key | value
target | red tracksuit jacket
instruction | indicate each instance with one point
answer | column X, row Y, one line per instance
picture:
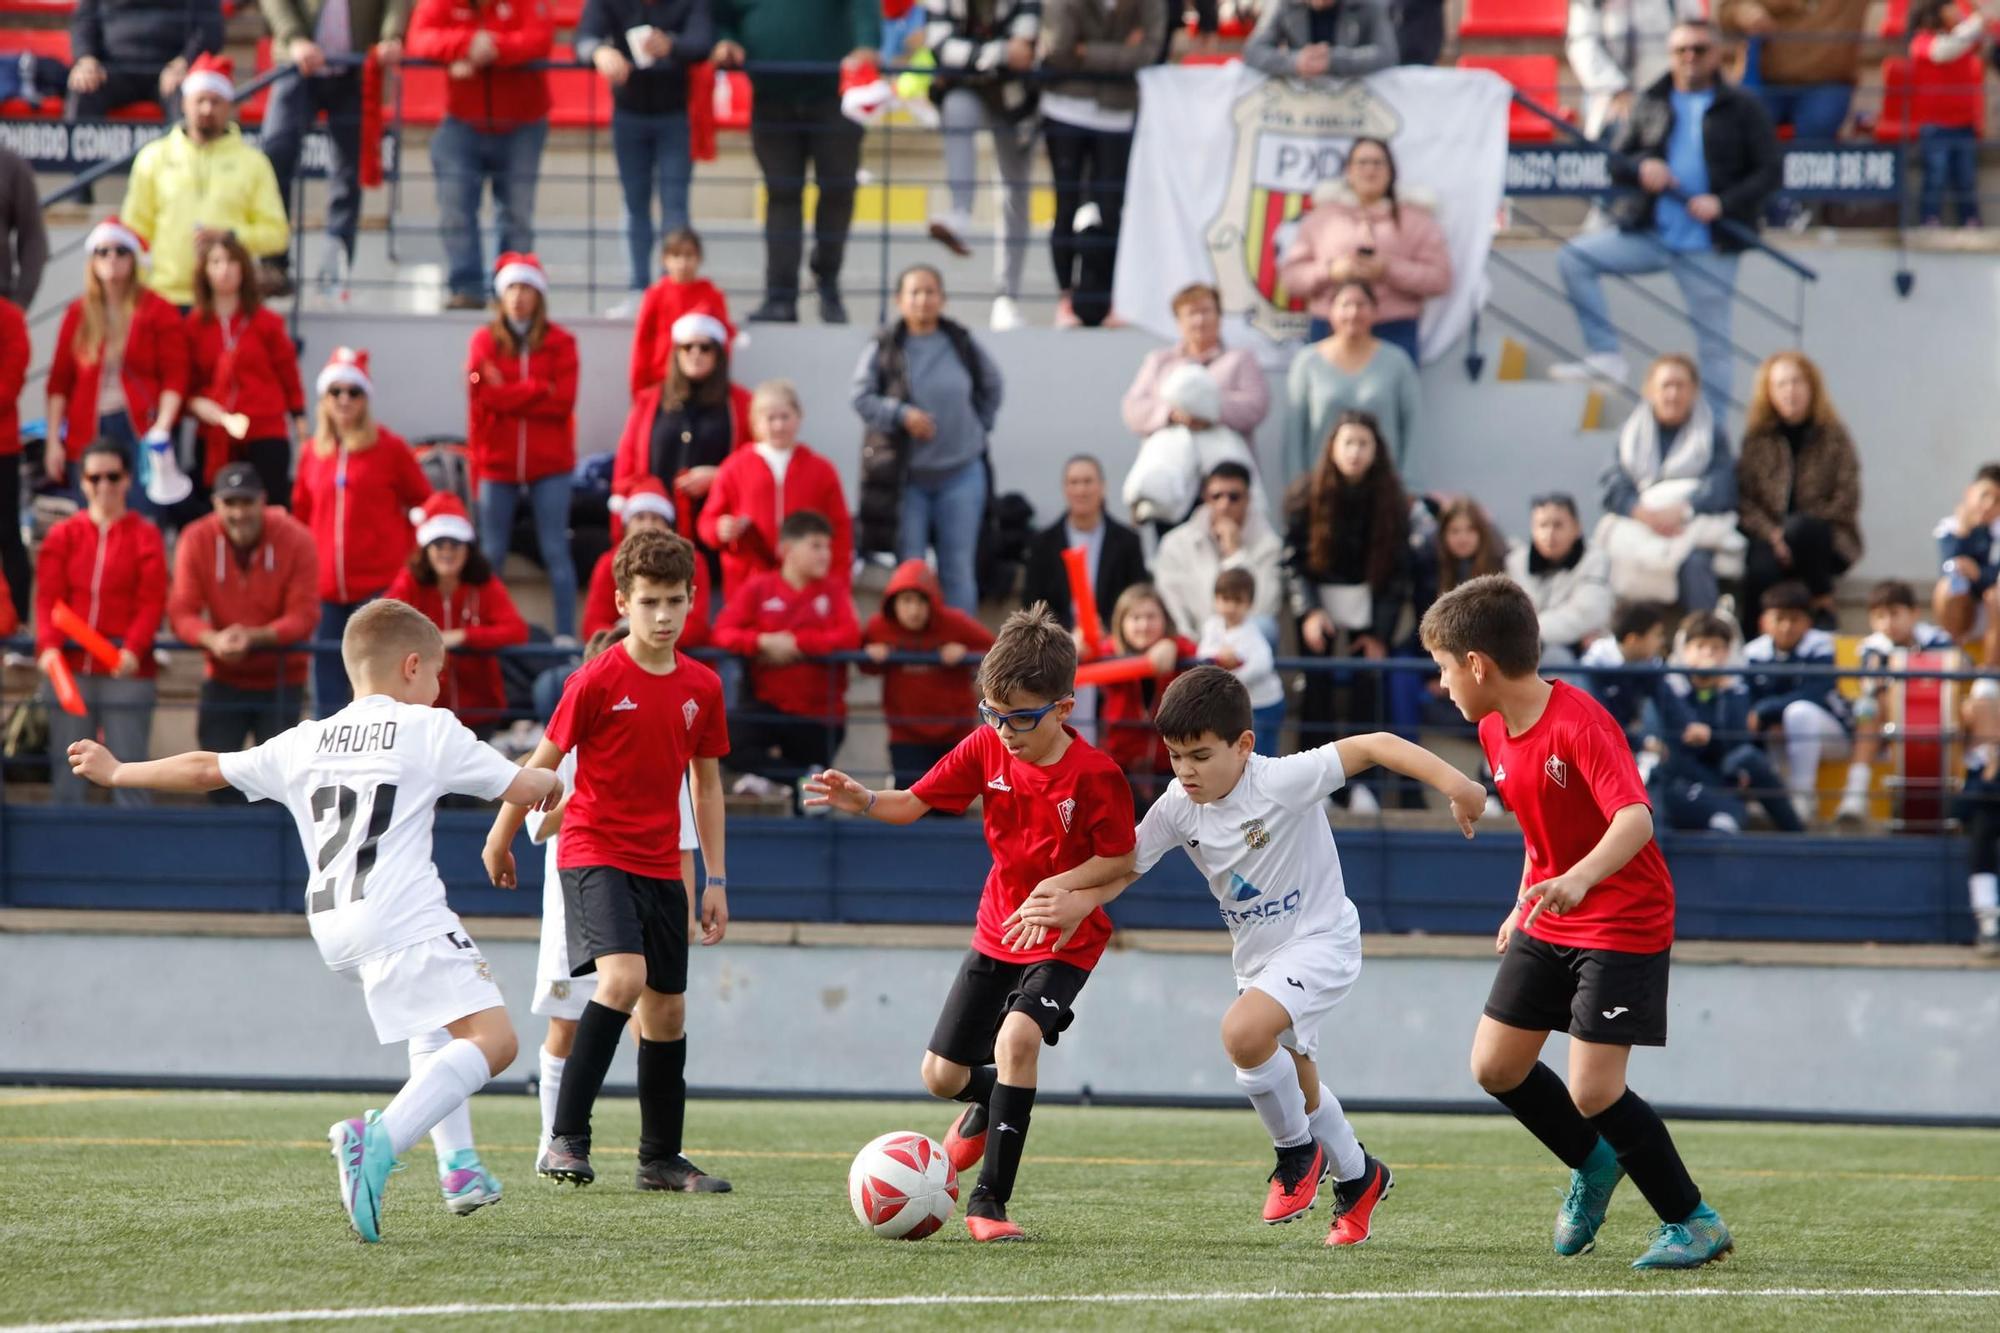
column 278, row 586
column 245, row 365
column 472, row 686
column 925, row 705
column 499, row 97
column 1125, row 718
column 521, row 421
column 747, row 488
column 358, row 503
column 114, row 577
column 820, row 616
column 653, row 339
column 156, row 362
column 600, row 604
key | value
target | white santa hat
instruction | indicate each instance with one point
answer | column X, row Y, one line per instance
column 442, row 516
column 517, row 269
column 210, row 74
column 345, row 366
column 113, row 232
column 647, row 496
column 696, row 327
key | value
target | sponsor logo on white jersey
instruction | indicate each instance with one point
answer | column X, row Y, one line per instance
column 1066, row 809
column 625, row 705
column 690, row 710
column 1557, row 770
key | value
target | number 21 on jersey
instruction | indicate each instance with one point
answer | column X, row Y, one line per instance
column 334, row 808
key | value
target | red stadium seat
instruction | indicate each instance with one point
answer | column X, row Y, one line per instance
column 1514, row 18
column 55, row 9
column 1538, row 77
column 578, row 97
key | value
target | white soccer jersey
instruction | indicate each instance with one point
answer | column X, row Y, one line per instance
column 1267, row 852
column 361, row 786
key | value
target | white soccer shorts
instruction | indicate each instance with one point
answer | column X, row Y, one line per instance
column 557, row 993
column 1308, row 977
column 426, row 986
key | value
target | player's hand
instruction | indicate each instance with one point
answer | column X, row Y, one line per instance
column 714, row 914
column 91, row 761
column 554, row 798
column 835, row 790
column 499, row 865
column 1554, row 896
column 1468, row 803
column 1506, row 932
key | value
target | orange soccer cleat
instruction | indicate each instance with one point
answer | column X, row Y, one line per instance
column 965, row 1141
column 1295, row 1184
column 1354, row 1203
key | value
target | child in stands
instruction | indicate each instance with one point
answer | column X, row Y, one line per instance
column 1232, row 642
column 1971, row 556
column 1712, row 760
column 756, row 488
column 1894, row 628
column 646, row 507
column 447, row 578
column 680, row 291
column 1948, row 44
column 1804, row 711
column 1638, row 637
column 1140, row 627
column 929, row 708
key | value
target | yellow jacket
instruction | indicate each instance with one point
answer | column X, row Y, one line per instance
column 178, row 185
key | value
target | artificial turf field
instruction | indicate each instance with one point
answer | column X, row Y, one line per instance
column 126, row 1209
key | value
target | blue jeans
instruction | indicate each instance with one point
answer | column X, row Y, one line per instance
column 651, row 151
column 1265, row 724
column 548, row 497
column 464, row 160
column 1707, row 281
column 331, row 692
column 947, row 513
column 1951, row 167
column 1815, row 111
column 295, row 104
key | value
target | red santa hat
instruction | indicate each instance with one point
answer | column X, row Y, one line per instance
column 347, row 365
column 697, row 327
column 647, row 496
column 514, row 268
column 113, row 232
column 442, row 516
column 211, row 74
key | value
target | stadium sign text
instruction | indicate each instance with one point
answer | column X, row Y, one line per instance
column 1843, row 171
column 59, row 148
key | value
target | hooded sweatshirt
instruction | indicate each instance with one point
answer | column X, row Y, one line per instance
column 274, row 585
column 925, row 704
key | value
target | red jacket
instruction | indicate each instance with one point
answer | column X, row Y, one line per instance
column 635, row 455
column 1125, row 718
column 156, row 362
column 521, row 422
column 13, row 374
column 499, row 97
column 820, row 616
column 925, row 705
column 653, row 340
column 747, row 488
column 600, row 604
column 1947, row 96
column 472, row 686
column 358, row 503
column 249, row 367
column 276, row 587
column 114, row 577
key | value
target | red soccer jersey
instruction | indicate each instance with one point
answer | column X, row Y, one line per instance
column 1039, row 822
column 634, row 733
column 1564, row 778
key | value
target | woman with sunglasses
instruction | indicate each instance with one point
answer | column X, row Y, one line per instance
column 108, row 565
column 521, row 427
column 120, row 369
column 448, row 579
column 357, row 483
column 247, row 393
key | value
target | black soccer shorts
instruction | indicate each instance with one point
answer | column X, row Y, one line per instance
column 608, row 910
column 987, row 990
column 1600, row 995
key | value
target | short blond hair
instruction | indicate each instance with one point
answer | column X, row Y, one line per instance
column 383, row 633
column 773, row 391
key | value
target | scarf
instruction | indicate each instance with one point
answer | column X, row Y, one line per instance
column 1539, row 564
column 1685, row 458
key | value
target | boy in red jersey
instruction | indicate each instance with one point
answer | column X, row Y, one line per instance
column 637, row 715
column 1056, row 809
column 1589, row 953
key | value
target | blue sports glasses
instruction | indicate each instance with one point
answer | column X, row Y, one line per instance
column 1027, row 719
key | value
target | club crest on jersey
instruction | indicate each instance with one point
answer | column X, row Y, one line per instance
column 1066, row 809
column 1557, row 770
column 821, row 606
column 689, row 711
column 1255, row 836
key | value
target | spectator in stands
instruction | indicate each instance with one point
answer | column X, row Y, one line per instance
column 1246, row 394
column 1806, row 713
column 1359, row 231
column 982, row 49
column 929, row 396
column 929, row 708
column 1164, row 481
column 1804, row 59
column 680, row 291
column 1615, row 48
column 645, row 49
column 1322, row 39
column 779, row 618
column 1798, row 485
column 495, row 124
column 1949, row 47
column 1978, row 811
column 131, row 51
column 245, row 383
column 1673, row 476
column 645, row 505
column 1227, row 531
column 1419, row 32
column 108, row 565
column 1114, row 558
column 757, row 488
column 1350, row 370
column 1568, row 582
column 795, row 118
column 245, row 587
column 14, row 353
column 682, row 431
column 1966, row 540
column 520, row 373
column 448, row 578
column 1233, row 642
column 1462, row 545
column 310, row 34
column 120, row 369
column 1348, row 540
column 24, row 241
column 1087, row 126
column 1712, row 753
column 357, row 483
column 1636, row 636
column 202, row 180
column 1140, row 627
column 1704, row 160
column 1896, row 635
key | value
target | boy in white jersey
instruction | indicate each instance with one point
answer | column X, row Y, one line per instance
column 361, row 786
column 1257, row 829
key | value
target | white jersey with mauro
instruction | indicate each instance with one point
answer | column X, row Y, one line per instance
column 362, row 786
column 1267, row 852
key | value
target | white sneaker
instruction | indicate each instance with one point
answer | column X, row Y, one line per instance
column 1006, row 315
column 625, row 309
column 755, row 784
column 1853, row 810
column 1361, row 801
column 949, row 230
column 1598, row 366
column 331, row 279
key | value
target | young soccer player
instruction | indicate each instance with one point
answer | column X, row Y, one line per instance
column 1586, row 948
column 1053, row 804
column 1895, row 626
column 637, row 715
column 1256, row 827
column 361, row 785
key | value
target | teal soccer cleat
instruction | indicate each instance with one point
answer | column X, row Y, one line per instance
column 466, row 1184
column 364, row 1158
column 1589, row 1196
column 1698, row 1239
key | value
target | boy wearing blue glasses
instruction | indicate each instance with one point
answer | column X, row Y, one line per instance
column 1058, row 814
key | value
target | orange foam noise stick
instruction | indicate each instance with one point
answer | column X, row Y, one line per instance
column 64, row 684
column 1116, row 671
column 88, row 639
column 1083, row 597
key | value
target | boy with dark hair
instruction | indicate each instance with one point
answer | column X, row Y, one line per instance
column 637, row 715
column 1894, row 628
column 1712, row 759
column 1805, row 711
column 1971, row 556
column 1231, row 640
column 1637, row 637
column 1058, row 812
column 929, row 708
column 797, row 710
column 1591, row 949
column 1257, row 829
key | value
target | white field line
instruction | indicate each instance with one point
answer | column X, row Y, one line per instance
column 465, row 1309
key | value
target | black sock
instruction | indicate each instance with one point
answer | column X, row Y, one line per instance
column 597, row 1035
column 1006, row 1134
column 662, row 1098
column 978, row 1085
column 1541, row 1103
column 1637, row 1134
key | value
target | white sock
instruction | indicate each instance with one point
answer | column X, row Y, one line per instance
column 1329, row 1126
column 1985, row 899
column 1859, row 775
column 447, row 1081
column 454, row 1132
column 1273, row 1088
column 551, row 1085
column 1723, row 822
column 1802, row 752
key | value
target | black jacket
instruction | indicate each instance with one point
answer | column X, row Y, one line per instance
column 661, row 89
column 122, row 33
column 1122, row 564
column 1744, row 164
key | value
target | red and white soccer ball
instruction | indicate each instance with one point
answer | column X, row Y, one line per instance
column 902, row 1186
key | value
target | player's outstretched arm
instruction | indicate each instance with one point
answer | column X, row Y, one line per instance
column 835, row 790
column 1381, row 748
column 1631, row 828
column 197, row 770
column 499, row 853
column 1045, row 913
column 534, row 789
